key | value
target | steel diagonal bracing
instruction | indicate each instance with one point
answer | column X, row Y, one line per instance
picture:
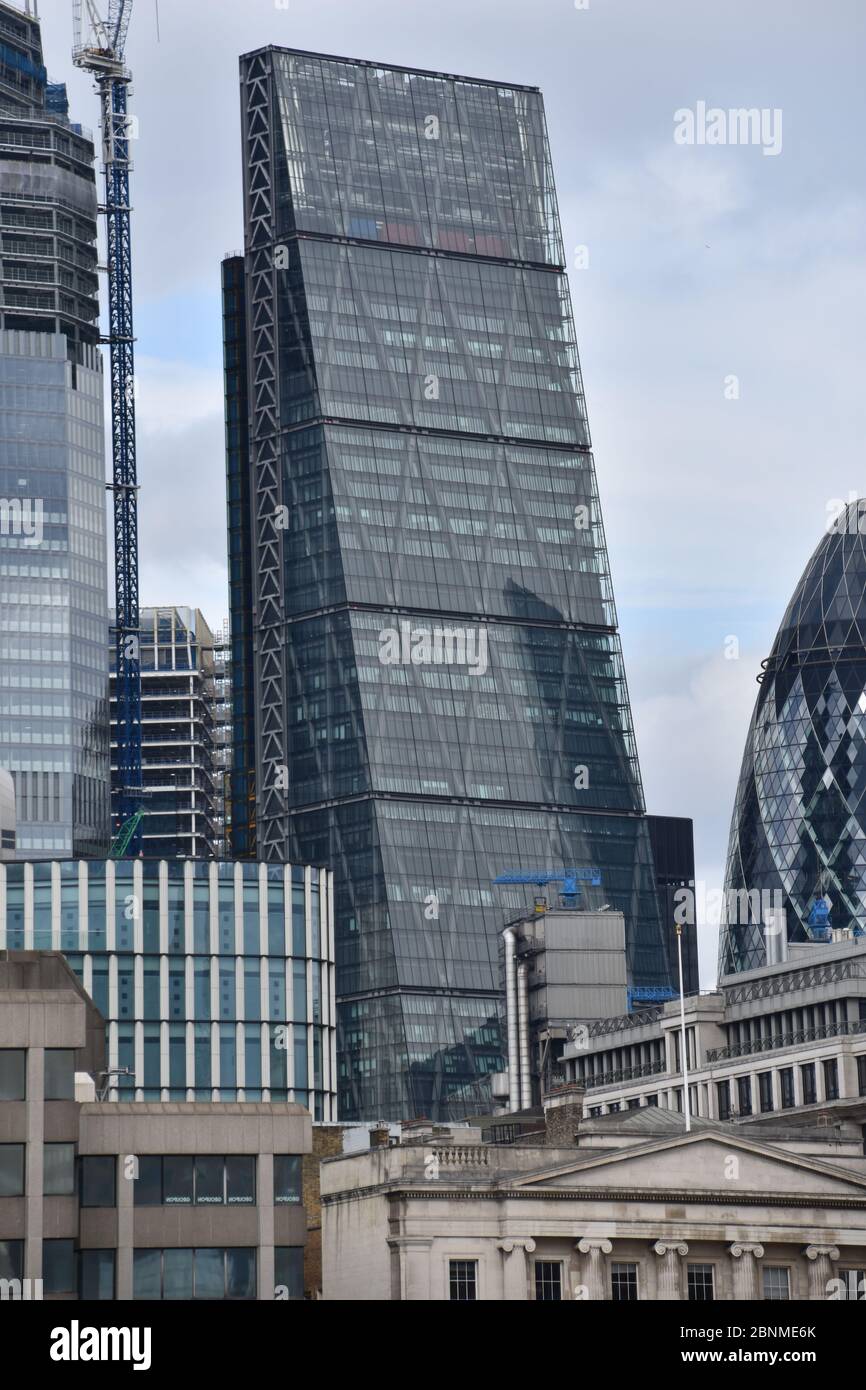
column 271, row 733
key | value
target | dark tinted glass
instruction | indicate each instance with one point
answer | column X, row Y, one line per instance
column 147, row 1274
column 241, row 1179
column 209, row 1178
column 287, row 1178
column 59, row 1074
column 148, row 1184
column 240, row 1273
column 289, row 1271
column 96, row 1274
column 58, row 1172
column 177, row 1179
column 11, row 1170
column 177, row 1274
column 210, row 1274
column 58, row 1266
column 12, row 1077
column 97, row 1181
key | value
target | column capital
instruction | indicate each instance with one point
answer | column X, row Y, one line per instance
column 816, row 1252
column 666, row 1247
column 590, row 1243
column 738, row 1249
column 506, row 1246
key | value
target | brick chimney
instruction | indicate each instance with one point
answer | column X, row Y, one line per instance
column 563, row 1112
column 380, row 1135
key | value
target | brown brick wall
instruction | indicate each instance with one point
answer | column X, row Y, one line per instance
column 327, row 1141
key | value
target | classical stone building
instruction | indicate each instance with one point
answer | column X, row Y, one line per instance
column 632, row 1208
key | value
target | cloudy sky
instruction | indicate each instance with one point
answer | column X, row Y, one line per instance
column 705, row 263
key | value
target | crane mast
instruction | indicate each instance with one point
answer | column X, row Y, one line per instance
column 99, row 46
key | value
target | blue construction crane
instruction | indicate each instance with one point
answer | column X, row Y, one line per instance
column 100, row 51
column 569, row 878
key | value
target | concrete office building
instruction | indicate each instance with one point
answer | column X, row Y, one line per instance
column 216, row 980
column 148, row 1201
column 53, row 576
column 624, row 1208
column 786, row 1040
column 409, row 454
column 561, row 969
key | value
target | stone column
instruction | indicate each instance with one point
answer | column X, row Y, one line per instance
column 746, row 1271
column 669, row 1269
column 593, row 1265
column 514, row 1281
column 821, row 1259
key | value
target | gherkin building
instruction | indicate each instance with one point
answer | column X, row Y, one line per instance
column 798, row 834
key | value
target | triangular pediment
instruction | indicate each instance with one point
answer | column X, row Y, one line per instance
column 702, row 1162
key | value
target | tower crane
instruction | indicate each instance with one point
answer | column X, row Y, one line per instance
column 99, row 46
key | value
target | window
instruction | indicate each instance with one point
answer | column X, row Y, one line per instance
column 776, row 1282
column 11, row 1170
column 463, row 1281
column 831, row 1079
column 723, row 1096
column 652, row 1100
column 177, row 1180
column 58, row 1171
column 786, row 1084
column 700, row 1282
column 13, row 1065
column 59, row 1073
column 765, row 1090
column 289, row 1271
column 96, row 1274
column 96, row 1179
column 861, row 1074
column 853, row 1284
column 11, row 1259
column 744, row 1094
column 807, row 1073
column 202, row 1274
column 287, row 1178
column 148, row 1182
column 623, row 1283
column 207, row 1180
column 548, row 1281
column 58, row 1266
column 241, row 1180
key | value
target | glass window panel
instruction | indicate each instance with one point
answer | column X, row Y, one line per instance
column 96, row 1275
column 287, row 1178
column 209, row 1179
column 148, row 1184
column 58, row 1266
column 59, row 1074
column 147, row 1274
column 241, row 1179
column 58, row 1173
column 289, row 1270
column 177, row 1179
column 210, row 1274
column 12, row 1073
column 98, row 1181
column 177, row 1274
column 240, row 1273
column 11, row 1170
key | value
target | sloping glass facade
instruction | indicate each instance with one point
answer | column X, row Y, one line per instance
column 798, row 832
column 440, row 693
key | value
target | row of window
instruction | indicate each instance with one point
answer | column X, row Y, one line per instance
column 205, row 1273
column 624, row 1282
column 736, row 1096
column 59, row 1076
column 160, row 1180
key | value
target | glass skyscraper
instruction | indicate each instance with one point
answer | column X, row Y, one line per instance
column 438, row 687
column 53, row 600
column 798, row 832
